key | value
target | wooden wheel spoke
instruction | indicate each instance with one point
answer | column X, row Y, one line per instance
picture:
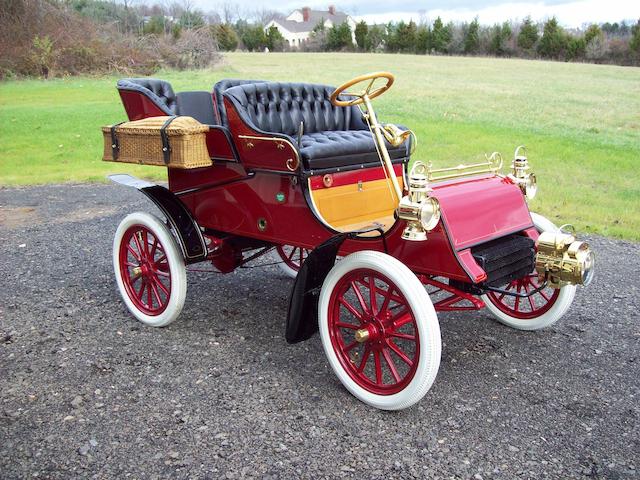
column 401, row 319
column 358, row 293
column 378, row 366
column 347, row 325
column 133, row 252
column 365, row 358
column 404, row 336
column 139, row 246
column 372, row 295
column 351, row 308
column 398, row 351
column 390, row 364
column 350, row 347
column 156, row 293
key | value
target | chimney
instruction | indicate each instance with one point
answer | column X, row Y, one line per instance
column 332, row 9
column 306, row 14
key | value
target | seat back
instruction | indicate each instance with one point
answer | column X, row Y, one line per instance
column 159, row 92
column 198, row 105
column 219, row 88
column 280, row 107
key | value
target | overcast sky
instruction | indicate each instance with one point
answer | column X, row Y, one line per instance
column 570, row 13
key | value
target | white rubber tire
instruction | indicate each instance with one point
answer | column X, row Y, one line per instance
column 426, row 320
column 551, row 316
column 287, row 270
column 176, row 265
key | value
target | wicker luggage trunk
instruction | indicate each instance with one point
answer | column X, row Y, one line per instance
column 174, row 142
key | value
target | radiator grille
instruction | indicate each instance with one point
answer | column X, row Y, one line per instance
column 505, row 259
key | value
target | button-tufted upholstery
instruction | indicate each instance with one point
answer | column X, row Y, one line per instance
column 219, row 88
column 333, row 136
column 158, row 91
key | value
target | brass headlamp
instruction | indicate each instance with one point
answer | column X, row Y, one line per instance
column 562, row 260
column 421, row 211
column 521, row 175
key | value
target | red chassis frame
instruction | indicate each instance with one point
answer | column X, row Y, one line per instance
column 256, row 189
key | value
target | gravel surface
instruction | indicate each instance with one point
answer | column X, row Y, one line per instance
column 86, row 391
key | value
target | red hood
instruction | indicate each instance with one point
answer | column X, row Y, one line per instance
column 478, row 209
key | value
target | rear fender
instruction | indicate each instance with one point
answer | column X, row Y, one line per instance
column 187, row 230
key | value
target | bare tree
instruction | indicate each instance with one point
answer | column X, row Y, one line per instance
column 230, row 12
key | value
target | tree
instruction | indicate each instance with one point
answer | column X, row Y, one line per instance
column 191, row 19
column 500, row 34
column 576, row 48
column 595, row 46
column 376, row 38
column 423, row 39
column 634, row 44
column 361, row 33
column 402, row 37
column 339, row 37
column 226, row 37
column 254, row 38
column 155, row 26
column 275, row 40
column 528, row 36
column 554, row 41
column 592, row 32
column 440, row 36
column 472, row 38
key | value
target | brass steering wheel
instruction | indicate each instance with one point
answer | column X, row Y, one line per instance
column 359, row 97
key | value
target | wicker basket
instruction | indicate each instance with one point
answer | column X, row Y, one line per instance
column 174, row 142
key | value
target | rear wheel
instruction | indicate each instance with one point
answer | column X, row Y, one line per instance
column 292, row 259
column 540, row 309
column 379, row 330
column 149, row 269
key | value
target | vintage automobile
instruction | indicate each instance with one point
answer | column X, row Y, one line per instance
column 309, row 171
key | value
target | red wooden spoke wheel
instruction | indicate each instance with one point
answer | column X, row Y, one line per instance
column 292, row 258
column 374, row 332
column 145, row 270
column 379, row 330
column 529, row 307
column 149, row 269
column 540, row 309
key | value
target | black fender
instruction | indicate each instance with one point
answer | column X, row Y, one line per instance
column 187, row 230
column 302, row 318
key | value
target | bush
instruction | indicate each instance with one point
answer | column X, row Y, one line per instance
column 576, row 48
column 226, row 37
column 254, row 38
column 275, row 40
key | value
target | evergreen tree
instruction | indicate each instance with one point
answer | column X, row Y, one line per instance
column 528, row 36
column 423, row 39
column 500, row 34
column 634, row 44
column 226, row 37
column 554, row 41
column 576, row 48
column 254, row 38
column 339, row 37
column 275, row 40
column 440, row 36
column 361, row 33
column 405, row 34
column 472, row 38
column 592, row 32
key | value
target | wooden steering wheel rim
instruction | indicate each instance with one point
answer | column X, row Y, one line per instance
column 359, row 99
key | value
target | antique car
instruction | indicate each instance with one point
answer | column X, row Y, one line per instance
column 309, row 172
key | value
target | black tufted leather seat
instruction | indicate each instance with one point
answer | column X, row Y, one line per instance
column 333, row 136
column 219, row 88
column 158, row 91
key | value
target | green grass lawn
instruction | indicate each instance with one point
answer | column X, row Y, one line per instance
column 580, row 123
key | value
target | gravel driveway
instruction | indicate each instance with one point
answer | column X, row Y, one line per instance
column 86, row 391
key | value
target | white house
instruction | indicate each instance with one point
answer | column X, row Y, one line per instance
column 297, row 27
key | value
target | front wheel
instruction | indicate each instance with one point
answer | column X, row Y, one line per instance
column 379, row 330
column 149, row 269
column 292, row 259
column 539, row 310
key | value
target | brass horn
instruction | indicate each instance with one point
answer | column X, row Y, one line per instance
column 395, row 135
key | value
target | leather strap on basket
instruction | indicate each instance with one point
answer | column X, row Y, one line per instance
column 115, row 144
column 166, row 147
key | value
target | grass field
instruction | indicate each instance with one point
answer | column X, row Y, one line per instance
column 581, row 123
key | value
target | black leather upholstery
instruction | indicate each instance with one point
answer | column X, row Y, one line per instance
column 198, row 105
column 219, row 88
column 333, row 136
column 158, row 91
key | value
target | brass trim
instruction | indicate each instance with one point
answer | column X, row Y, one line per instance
column 492, row 165
column 292, row 164
column 327, row 180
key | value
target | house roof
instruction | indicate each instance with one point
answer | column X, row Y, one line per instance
column 315, row 17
